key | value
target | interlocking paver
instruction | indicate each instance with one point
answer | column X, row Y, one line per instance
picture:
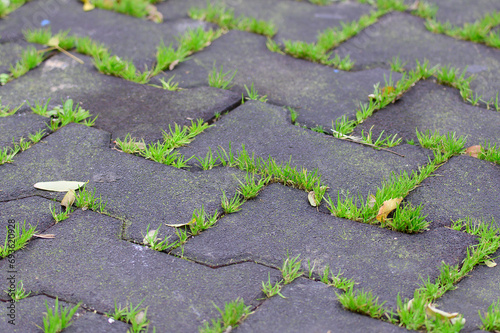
column 459, row 12
column 281, row 220
column 309, row 307
column 29, row 314
column 135, row 39
column 430, row 106
column 464, row 187
column 87, row 262
column 266, row 131
column 20, row 125
column 122, row 107
column 319, row 93
column 293, row 20
column 404, row 35
column 141, row 191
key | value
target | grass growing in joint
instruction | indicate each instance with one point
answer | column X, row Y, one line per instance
column 491, row 319
column 219, row 79
column 232, row 205
column 20, row 239
column 233, row 314
column 225, row 18
column 362, row 302
column 59, row 318
column 291, row 269
column 85, row 199
column 135, row 316
column 18, row 293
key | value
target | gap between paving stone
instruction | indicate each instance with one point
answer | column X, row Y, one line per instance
column 312, row 307
column 463, row 187
column 136, row 39
column 293, row 20
column 430, row 106
column 10, row 53
column 19, row 125
column 476, row 292
column 87, row 262
column 140, row 191
column 266, row 131
column 404, row 35
column 122, row 107
column 320, row 94
column 30, row 312
column 280, row 219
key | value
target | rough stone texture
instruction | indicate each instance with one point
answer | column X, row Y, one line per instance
column 136, row 39
column 475, row 293
column 10, row 53
column 29, row 314
column 464, row 187
column 142, row 192
column 122, row 107
column 309, row 307
column 34, row 211
column 404, row 35
column 459, row 12
column 87, row 262
column 20, row 125
column 267, row 131
column 319, row 93
column 430, row 106
column 282, row 220
column 293, row 20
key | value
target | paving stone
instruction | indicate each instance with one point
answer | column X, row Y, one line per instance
column 34, row 211
column 459, row 12
column 280, row 219
column 20, row 125
column 320, row 94
column 87, row 262
column 404, row 35
column 136, row 39
column 293, row 20
column 266, row 130
column 10, row 53
column 430, row 106
column 29, row 314
column 312, row 307
column 464, row 187
column 476, row 292
column 121, row 106
column 141, row 191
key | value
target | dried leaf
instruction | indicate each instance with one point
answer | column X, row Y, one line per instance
column 180, row 224
column 149, row 237
column 46, row 236
column 59, row 186
column 173, row 64
column 432, row 311
column 68, row 199
column 139, row 318
column 387, row 90
column 312, row 199
column 153, row 14
column 473, row 151
column 87, row 5
column 54, row 42
column 141, row 145
column 387, row 207
column 490, row 263
column 371, row 201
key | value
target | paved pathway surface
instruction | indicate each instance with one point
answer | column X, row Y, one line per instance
column 99, row 258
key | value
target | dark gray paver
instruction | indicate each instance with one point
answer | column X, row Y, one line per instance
column 121, row 106
column 29, row 314
column 141, row 191
column 459, row 12
column 280, row 219
column 293, row 20
column 320, row 94
column 87, row 262
column 430, row 106
column 312, row 307
column 34, row 210
column 10, row 53
column 474, row 293
column 135, row 39
column 463, row 187
column 266, row 130
column 19, row 125
column 405, row 35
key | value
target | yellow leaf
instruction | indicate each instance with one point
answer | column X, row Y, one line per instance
column 59, row 186
column 173, row 64
column 46, row 236
column 54, row 41
column 68, row 199
column 312, row 199
column 87, row 5
column 473, row 151
column 387, row 207
column 490, row 263
column 434, row 312
column 180, row 224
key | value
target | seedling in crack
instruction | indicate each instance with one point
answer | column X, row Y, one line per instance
column 18, row 293
column 271, row 289
column 61, row 216
column 491, row 319
column 252, row 94
column 88, row 200
column 233, row 314
column 135, row 316
column 59, row 318
column 7, row 154
column 231, row 205
column 291, row 269
column 151, row 239
column 219, row 79
column 250, row 188
column 362, row 302
column 169, row 85
column 202, row 221
column 20, row 239
column 209, row 162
